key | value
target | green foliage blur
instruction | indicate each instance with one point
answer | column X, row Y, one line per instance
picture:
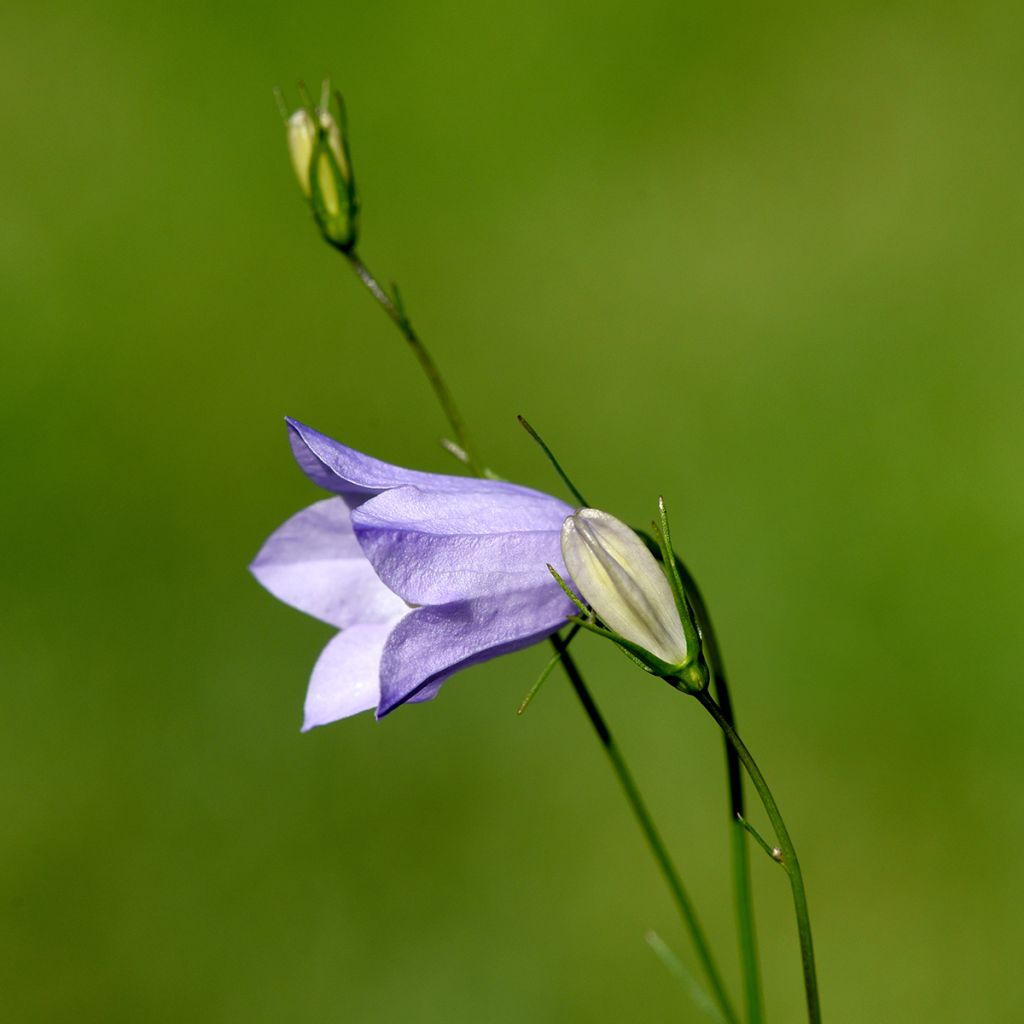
column 764, row 259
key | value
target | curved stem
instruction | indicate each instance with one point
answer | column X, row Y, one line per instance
column 643, row 817
column 740, row 849
column 742, row 883
column 397, row 315
column 427, row 364
column 788, row 853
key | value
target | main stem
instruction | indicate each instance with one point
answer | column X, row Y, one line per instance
column 737, row 834
column 741, row 865
column 788, row 851
column 427, row 364
column 643, row 817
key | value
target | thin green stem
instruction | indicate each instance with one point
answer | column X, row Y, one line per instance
column 773, row 851
column 654, row 840
column 740, row 850
column 745, row 923
column 396, row 312
column 548, row 669
column 678, row 970
column 788, row 857
column 427, row 364
column 573, row 489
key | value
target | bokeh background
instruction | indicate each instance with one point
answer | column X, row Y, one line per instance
column 766, row 260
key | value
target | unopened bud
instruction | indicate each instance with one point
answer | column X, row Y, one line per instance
column 318, row 156
column 620, row 579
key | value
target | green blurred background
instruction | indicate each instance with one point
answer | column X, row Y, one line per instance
column 766, row 260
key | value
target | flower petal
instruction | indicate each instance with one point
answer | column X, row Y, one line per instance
column 346, row 678
column 343, row 470
column 434, row 548
column 314, row 563
column 430, row 644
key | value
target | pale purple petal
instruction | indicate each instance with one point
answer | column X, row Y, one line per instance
column 343, row 470
column 434, row 548
column 473, row 552
column 314, row 563
column 346, row 679
column 432, row 643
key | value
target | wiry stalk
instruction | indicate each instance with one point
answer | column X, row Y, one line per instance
column 398, row 316
column 787, row 852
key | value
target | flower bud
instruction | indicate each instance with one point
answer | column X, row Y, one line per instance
column 301, row 139
column 318, row 157
column 620, row 579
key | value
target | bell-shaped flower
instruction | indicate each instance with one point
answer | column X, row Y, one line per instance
column 424, row 574
column 621, row 580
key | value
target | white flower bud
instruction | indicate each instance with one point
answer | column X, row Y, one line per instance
column 620, row 579
column 302, row 135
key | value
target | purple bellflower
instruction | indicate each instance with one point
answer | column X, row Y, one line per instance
column 423, row 574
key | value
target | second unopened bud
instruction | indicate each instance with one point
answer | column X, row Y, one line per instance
column 318, row 156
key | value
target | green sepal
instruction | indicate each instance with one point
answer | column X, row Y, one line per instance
column 548, row 669
column 679, row 676
column 568, row 591
column 351, row 193
column 668, row 560
column 640, row 655
column 340, row 229
column 337, row 229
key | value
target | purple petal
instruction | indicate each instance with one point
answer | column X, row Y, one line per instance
column 431, row 644
column 314, row 563
column 346, row 677
column 434, row 548
column 343, row 470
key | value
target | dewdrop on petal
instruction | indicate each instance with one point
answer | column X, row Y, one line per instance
column 620, row 579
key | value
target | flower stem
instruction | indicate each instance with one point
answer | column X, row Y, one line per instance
column 740, row 850
column 427, row 364
column 654, row 840
column 742, row 882
column 397, row 314
column 788, row 857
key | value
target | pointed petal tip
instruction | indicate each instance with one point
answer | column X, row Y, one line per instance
column 311, row 723
column 388, row 705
